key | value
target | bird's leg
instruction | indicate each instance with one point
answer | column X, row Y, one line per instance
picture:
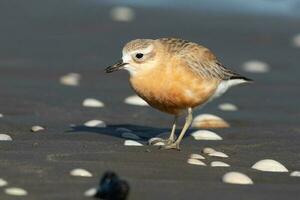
column 171, row 138
column 187, row 124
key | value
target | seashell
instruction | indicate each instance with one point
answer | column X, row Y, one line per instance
column 5, row 137
column 228, row 107
column 3, row 182
column 90, row 102
column 206, row 135
column 218, row 154
column 135, row 100
column 296, row 40
column 269, row 165
column 80, row 172
column 132, row 143
column 15, row 191
column 37, row 128
column 208, row 150
column 90, row 192
column 193, row 161
column 295, row 173
column 219, row 164
column 129, row 135
column 196, row 156
column 122, row 14
column 95, row 123
column 237, row 178
column 159, row 144
column 209, row 121
column 256, row 66
column 71, row 79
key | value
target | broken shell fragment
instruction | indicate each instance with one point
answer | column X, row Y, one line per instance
column 209, row 121
column 237, row 178
column 219, row 164
column 15, row 191
column 269, row 165
column 295, row 173
column 228, row 107
column 80, row 172
column 256, row 66
column 206, row 135
column 208, row 150
column 90, row 192
column 218, row 154
column 71, row 79
column 135, row 100
column 122, row 14
column 196, row 156
column 5, row 137
column 3, row 182
column 193, row 161
column 95, row 123
column 90, row 102
column 37, row 128
column 132, row 143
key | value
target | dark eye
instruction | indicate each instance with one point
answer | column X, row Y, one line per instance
column 139, row 55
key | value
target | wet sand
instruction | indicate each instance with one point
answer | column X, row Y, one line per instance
column 40, row 42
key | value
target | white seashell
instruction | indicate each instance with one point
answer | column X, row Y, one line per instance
column 3, row 182
column 209, row 121
column 71, row 79
column 269, row 165
column 208, row 150
column 122, row 13
column 132, row 143
column 205, row 135
column 121, row 129
column 95, row 123
column 135, row 100
column 80, row 172
column 92, row 103
column 256, row 66
column 15, row 191
column 196, row 156
column 1, row 115
column 219, row 164
column 37, row 128
column 228, row 107
column 193, row 161
column 90, row 192
column 296, row 40
column 218, row 154
column 295, row 173
column 5, row 137
column 129, row 135
column 237, row 178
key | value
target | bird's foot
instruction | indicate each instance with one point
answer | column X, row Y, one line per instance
column 174, row 145
column 160, row 141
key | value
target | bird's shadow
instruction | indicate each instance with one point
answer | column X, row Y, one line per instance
column 143, row 132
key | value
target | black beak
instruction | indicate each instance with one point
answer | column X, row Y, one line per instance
column 115, row 67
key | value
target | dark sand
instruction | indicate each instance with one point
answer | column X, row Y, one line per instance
column 41, row 41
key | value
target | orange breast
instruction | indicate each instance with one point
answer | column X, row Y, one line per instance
column 173, row 88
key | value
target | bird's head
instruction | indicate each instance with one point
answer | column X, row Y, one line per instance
column 138, row 55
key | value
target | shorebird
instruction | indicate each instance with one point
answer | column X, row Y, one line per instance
column 174, row 75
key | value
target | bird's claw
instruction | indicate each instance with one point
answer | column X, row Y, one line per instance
column 171, row 146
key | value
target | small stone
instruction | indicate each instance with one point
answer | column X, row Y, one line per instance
column 237, row 178
column 122, row 14
column 228, row 107
column 80, row 172
column 218, row 154
column 132, row 143
column 256, row 66
column 206, row 135
column 193, row 161
column 5, row 137
column 196, row 156
column 129, row 135
column 71, row 79
column 219, row 164
column 95, row 123
column 135, row 100
column 90, row 102
column 208, row 150
column 90, row 192
column 3, row 182
column 269, row 165
column 37, row 128
column 121, row 129
column 15, row 191
column 209, row 121
column 295, row 173
column 296, row 40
